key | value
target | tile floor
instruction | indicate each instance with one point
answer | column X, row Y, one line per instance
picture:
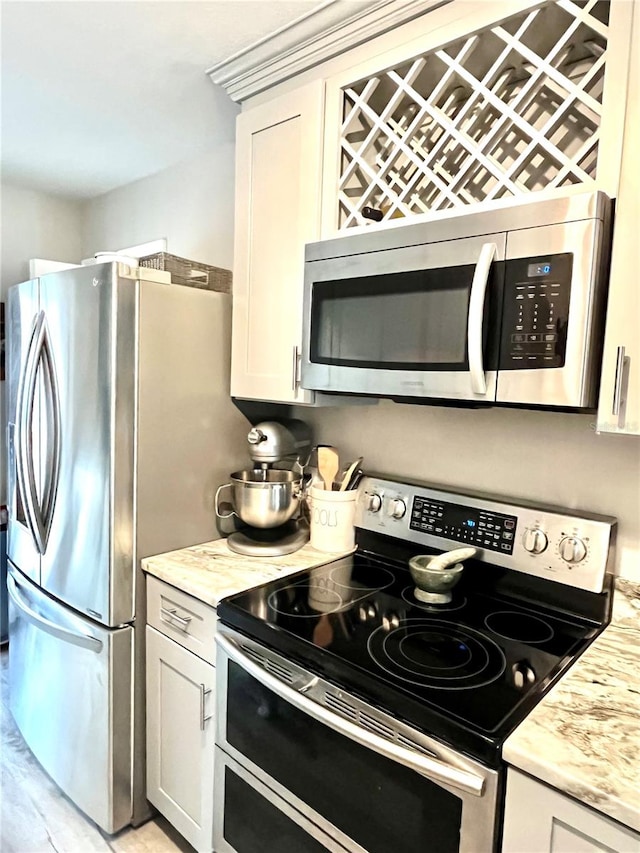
column 35, row 817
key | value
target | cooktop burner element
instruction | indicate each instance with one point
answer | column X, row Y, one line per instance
column 435, row 654
column 517, row 626
column 467, row 671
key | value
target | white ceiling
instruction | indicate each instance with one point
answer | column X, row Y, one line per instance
column 98, row 94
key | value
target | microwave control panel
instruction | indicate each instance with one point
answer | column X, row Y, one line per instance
column 535, row 312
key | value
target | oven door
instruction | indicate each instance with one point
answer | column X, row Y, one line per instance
column 412, row 321
column 368, row 782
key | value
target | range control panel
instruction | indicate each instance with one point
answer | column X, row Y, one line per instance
column 536, row 312
column 480, row 527
column 548, row 542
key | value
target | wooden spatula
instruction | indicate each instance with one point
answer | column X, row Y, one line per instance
column 328, row 465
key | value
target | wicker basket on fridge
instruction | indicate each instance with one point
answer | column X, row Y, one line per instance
column 190, row 273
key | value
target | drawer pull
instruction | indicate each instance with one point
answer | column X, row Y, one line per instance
column 203, row 694
column 171, row 617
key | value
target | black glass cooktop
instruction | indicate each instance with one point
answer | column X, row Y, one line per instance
column 467, row 671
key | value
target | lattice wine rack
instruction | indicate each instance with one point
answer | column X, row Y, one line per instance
column 509, row 110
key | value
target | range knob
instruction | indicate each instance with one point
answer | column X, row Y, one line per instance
column 374, row 502
column 572, row 549
column 396, row 508
column 535, row 540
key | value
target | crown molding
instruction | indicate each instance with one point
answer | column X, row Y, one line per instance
column 333, row 28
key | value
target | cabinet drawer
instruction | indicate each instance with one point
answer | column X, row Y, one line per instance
column 183, row 618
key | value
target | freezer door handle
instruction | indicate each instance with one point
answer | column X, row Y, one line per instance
column 24, row 440
column 85, row 641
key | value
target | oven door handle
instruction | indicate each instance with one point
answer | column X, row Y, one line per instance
column 475, row 320
column 431, row 768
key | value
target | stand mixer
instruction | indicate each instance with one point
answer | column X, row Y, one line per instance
column 266, row 499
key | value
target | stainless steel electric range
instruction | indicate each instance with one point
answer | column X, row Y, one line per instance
column 352, row 716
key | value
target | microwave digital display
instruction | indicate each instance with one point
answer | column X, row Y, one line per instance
column 538, row 269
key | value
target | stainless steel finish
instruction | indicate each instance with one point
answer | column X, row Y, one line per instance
column 535, row 540
column 53, row 442
column 285, row 540
column 172, row 617
column 274, row 441
column 23, row 306
column 133, row 418
column 427, row 254
column 39, row 496
column 573, row 549
column 92, row 321
column 478, row 810
column 69, row 707
column 573, row 385
column 295, row 374
column 24, row 436
column 476, row 318
column 265, row 497
column 617, row 384
column 221, row 845
column 579, row 224
column 423, row 764
column 555, row 523
column 204, row 692
column 453, row 226
column 85, row 641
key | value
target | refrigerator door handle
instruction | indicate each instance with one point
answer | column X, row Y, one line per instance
column 53, row 451
column 24, row 439
column 85, row 641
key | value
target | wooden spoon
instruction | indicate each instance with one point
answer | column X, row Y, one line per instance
column 328, row 465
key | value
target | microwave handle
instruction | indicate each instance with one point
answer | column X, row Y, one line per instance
column 476, row 317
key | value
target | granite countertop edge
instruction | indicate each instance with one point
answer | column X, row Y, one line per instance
column 583, row 738
column 211, row 571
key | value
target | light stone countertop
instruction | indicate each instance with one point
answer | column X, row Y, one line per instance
column 210, row 572
column 583, row 738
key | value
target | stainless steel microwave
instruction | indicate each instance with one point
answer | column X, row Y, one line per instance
column 503, row 306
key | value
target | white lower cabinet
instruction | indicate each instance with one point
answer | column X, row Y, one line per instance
column 180, row 737
column 539, row 819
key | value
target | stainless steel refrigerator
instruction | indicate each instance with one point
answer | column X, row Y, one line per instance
column 120, row 428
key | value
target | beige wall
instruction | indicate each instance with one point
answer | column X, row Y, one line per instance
column 191, row 204
column 33, row 225
column 544, row 456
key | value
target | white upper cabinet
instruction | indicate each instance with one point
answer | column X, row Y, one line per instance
column 619, row 409
column 278, row 176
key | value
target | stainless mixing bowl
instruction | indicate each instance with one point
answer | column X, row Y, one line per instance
column 266, row 498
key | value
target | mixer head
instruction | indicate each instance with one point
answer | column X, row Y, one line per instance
column 273, row 441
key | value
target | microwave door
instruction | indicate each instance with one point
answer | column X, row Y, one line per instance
column 415, row 321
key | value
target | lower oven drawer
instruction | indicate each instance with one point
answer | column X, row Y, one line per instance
column 252, row 819
column 366, row 781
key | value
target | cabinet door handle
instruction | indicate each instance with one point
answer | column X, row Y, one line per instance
column 203, row 695
column 617, row 384
column 172, row 616
column 296, row 369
